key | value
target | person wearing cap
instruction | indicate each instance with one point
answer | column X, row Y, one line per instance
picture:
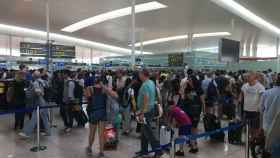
column 146, row 103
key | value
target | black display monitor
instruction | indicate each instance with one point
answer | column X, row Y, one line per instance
column 41, row 50
column 229, row 51
column 176, row 59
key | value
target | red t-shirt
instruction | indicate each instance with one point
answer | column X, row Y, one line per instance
column 180, row 116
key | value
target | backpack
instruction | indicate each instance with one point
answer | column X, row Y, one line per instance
column 10, row 95
column 78, row 90
column 49, row 93
column 212, row 91
column 29, row 95
column 121, row 99
column 125, row 98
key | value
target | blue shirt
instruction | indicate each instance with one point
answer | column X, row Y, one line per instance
column 271, row 106
column 148, row 88
column 205, row 83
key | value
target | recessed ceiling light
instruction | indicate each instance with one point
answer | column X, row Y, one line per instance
column 25, row 32
column 213, row 34
column 180, row 37
column 208, row 49
column 247, row 15
column 113, row 15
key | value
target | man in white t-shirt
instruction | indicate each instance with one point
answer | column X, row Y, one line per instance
column 251, row 93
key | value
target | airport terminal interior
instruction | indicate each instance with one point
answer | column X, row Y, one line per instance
column 139, row 79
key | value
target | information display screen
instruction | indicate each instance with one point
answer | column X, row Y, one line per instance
column 176, row 59
column 229, row 51
column 41, row 50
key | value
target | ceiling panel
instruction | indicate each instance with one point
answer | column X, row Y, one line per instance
column 181, row 17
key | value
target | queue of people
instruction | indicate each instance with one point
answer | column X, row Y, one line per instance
column 113, row 97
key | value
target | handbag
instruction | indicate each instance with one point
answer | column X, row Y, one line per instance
column 74, row 105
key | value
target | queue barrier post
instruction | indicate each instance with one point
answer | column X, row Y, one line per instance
column 38, row 146
column 173, row 148
column 247, row 142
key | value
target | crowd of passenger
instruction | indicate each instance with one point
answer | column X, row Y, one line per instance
column 121, row 97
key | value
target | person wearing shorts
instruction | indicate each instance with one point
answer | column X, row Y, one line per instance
column 178, row 118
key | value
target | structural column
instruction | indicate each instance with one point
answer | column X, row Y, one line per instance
column 49, row 62
column 277, row 54
column 189, row 42
column 132, row 33
column 91, row 57
column 10, row 50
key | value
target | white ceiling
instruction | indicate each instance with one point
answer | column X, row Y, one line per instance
column 181, row 17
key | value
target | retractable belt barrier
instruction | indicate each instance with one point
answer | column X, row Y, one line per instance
column 177, row 141
column 21, row 110
column 183, row 140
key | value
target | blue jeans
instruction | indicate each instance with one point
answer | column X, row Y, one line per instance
column 275, row 151
column 28, row 129
column 147, row 134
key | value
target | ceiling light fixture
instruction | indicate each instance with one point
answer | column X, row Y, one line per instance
column 208, row 49
column 113, row 15
column 247, row 15
column 180, row 37
column 25, row 32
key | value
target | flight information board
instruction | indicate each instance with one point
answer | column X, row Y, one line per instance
column 176, row 59
column 41, row 50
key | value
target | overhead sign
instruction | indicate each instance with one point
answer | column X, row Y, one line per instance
column 43, row 62
column 108, row 65
column 176, row 59
column 41, row 50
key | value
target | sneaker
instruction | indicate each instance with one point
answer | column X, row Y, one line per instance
column 141, row 154
column 180, row 153
column 158, row 155
column 45, row 134
column 89, row 151
column 22, row 134
column 67, row 130
column 193, row 150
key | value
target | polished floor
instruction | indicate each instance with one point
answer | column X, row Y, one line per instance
column 61, row 145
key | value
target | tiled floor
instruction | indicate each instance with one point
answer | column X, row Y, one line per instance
column 60, row 145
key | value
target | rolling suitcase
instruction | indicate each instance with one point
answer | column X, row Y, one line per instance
column 229, row 111
column 235, row 135
column 110, row 135
column 211, row 123
column 165, row 136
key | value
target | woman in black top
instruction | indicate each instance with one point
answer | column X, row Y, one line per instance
column 193, row 103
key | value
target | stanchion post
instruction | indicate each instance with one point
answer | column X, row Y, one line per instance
column 38, row 127
column 247, row 141
column 38, row 147
column 172, row 151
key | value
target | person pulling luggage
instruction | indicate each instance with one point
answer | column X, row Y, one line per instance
column 177, row 118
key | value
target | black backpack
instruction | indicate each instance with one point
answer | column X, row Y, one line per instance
column 212, row 90
column 125, row 98
column 78, row 90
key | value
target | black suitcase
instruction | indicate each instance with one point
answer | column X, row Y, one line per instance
column 229, row 111
column 212, row 123
column 235, row 135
